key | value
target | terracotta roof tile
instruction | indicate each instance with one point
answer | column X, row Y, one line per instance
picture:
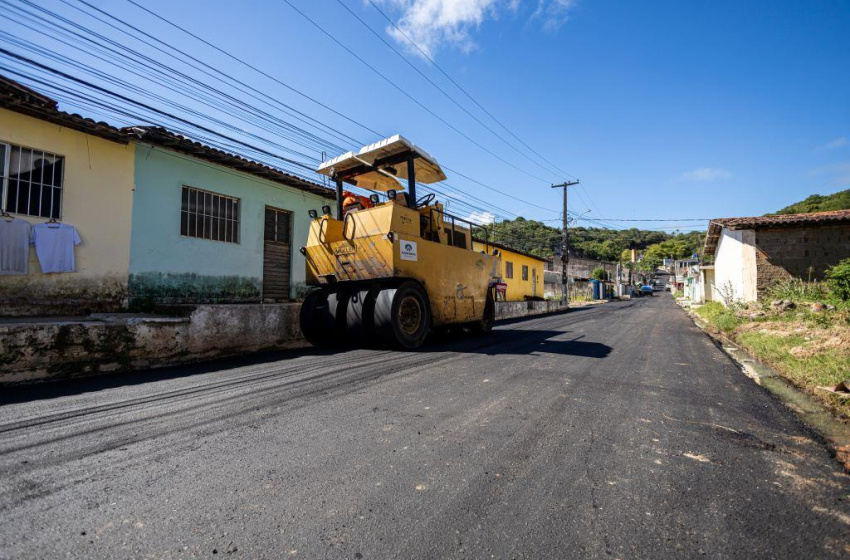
column 21, row 99
column 781, row 220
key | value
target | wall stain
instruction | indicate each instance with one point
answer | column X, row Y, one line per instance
column 148, row 289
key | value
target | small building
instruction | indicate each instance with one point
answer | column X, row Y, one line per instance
column 160, row 218
column 62, row 167
column 751, row 254
column 212, row 227
column 521, row 272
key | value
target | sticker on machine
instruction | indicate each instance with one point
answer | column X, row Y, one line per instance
column 408, row 251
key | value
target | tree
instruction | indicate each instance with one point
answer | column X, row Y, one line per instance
column 599, row 273
column 819, row 203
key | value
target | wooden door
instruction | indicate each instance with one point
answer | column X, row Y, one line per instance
column 276, row 254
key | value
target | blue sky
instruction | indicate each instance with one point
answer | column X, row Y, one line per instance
column 663, row 109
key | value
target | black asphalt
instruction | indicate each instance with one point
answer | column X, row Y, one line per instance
column 618, row 431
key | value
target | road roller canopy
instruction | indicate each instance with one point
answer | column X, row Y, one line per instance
column 380, row 166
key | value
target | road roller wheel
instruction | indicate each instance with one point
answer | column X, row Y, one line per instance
column 323, row 316
column 485, row 324
column 310, row 317
column 360, row 314
column 402, row 315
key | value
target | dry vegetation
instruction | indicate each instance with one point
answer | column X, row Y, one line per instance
column 806, row 342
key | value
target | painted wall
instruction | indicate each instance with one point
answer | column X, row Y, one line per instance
column 517, row 287
column 171, row 268
column 735, row 266
column 97, row 200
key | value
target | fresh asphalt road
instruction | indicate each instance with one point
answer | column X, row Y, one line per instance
column 616, row 431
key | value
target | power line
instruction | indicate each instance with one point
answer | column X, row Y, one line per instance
column 457, row 85
column 269, row 154
column 406, row 94
column 441, row 90
column 252, row 67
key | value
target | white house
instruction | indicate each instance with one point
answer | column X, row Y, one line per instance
column 750, row 254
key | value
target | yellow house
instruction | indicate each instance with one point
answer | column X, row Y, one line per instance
column 58, row 166
column 522, row 272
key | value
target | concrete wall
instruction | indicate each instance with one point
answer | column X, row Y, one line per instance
column 104, row 343
column 580, row 267
column 168, row 267
column 97, row 200
column 514, row 309
column 801, row 252
column 31, row 351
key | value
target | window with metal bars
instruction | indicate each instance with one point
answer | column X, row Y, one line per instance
column 277, row 225
column 31, row 181
column 207, row 215
column 524, row 272
column 509, row 269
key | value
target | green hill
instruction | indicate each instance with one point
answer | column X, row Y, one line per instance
column 540, row 239
column 819, row 203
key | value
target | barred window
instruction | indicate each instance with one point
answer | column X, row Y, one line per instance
column 509, row 269
column 208, row 215
column 31, row 181
column 524, row 272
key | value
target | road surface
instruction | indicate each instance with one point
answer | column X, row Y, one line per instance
column 619, row 431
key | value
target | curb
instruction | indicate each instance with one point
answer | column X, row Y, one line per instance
column 834, row 432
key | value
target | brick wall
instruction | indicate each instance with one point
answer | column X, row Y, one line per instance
column 786, row 252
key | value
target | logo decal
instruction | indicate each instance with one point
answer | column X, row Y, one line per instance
column 408, row 251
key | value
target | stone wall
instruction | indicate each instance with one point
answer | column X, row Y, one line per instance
column 796, row 252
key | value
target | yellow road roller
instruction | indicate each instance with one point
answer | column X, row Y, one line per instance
column 390, row 269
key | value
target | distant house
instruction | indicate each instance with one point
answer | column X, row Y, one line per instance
column 522, row 272
column 750, row 254
column 161, row 219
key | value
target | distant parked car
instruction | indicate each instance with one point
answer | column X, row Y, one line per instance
column 645, row 289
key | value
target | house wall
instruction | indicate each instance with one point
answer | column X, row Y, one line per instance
column 800, row 252
column 518, row 288
column 708, row 284
column 97, row 200
column 167, row 267
column 734, row 266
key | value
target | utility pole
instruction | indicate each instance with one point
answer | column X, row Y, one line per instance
column 565, row 253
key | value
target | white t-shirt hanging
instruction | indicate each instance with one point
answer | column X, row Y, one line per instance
column 15, row 241
column 54, row 245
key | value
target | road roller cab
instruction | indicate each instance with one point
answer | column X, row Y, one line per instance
column 391, row 270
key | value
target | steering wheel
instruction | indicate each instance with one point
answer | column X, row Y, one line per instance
column 425, row 200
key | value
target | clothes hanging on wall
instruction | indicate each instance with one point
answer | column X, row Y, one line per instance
column 54, row 246
column 15, row 239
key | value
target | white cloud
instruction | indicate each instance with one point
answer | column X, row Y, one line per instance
column 554, row 13
column 839, row 142
column 432, row 24
column 836, row 175
column 481, row 218
column 705, row 174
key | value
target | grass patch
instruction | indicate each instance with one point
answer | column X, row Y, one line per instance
column 807, row 359
column 718, row 316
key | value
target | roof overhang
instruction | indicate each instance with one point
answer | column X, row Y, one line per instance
column 380, row 166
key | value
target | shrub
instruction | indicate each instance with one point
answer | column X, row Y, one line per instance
column 838, row 280
column 599, row 273
column 796, row 289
